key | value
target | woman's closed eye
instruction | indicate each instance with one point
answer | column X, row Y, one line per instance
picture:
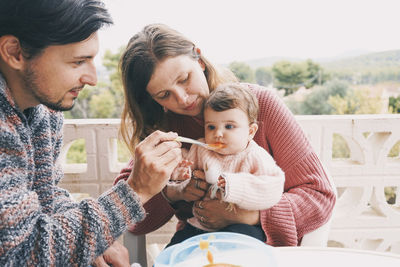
column 163, row 95
column 185, row 79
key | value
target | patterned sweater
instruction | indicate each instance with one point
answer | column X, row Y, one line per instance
column 39, row 223
column 308, row 198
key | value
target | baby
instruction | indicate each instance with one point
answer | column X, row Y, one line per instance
column 244, row 172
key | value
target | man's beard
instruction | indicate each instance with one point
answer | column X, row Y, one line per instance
column 30, row 82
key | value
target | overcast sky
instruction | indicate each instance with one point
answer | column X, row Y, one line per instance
column 229, row 30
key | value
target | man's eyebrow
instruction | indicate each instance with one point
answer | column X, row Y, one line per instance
column 84, row 57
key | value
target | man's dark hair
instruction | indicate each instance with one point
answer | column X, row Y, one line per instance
column 41, row 23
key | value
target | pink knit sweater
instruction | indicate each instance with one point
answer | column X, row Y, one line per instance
column 308, row 197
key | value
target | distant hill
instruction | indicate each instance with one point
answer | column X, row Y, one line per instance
column 371, row 61
column 269, row 61
column 350, row 62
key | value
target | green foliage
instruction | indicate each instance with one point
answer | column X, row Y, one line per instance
column 357, row 101
column 123, row 152
column 263, row 76
column 395, row 151
column 394, row 104
column 317, row 101
column 102, row 105
column 242, row 71
column 288, row 76
column 77, row 152
column 340, row 149
column 390, row 194
column 291, row 76
column 337, row 97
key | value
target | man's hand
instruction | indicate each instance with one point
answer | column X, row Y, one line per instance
column 116, row 255
column 155, row 159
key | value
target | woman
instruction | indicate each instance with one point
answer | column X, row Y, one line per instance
column 166, row 80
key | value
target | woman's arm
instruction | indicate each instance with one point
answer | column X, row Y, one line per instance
column 308, row 197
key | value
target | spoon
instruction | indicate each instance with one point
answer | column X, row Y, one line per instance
column 196, row 142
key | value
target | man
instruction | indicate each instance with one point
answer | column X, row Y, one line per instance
column 47, row 48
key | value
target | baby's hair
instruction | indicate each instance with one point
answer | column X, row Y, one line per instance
column 233, row 95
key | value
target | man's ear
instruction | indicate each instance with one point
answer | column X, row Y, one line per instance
column 253, row 129
column 11, row 52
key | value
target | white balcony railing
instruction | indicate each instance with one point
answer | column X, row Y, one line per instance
column 363, row 218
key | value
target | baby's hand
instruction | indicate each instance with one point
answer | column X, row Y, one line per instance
column 182, row 171
column 185, row 163
column 221, row 182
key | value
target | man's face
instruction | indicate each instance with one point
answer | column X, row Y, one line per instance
column 59, row 73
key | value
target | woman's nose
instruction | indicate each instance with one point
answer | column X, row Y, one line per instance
column 181, row 97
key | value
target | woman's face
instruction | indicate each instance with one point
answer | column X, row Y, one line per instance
column 179, row 85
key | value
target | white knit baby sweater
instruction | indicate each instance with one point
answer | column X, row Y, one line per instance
column 253, row 180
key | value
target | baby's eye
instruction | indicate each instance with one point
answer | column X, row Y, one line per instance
column 229, row 126
column 210, row 127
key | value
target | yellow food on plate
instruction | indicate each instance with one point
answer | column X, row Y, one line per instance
column 205, row 244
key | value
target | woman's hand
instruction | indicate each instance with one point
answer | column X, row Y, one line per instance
column 155, row 159
column 215, row 214
column 189, row 190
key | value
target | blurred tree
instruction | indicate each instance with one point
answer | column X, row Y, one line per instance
column 103, row 105
column 359, row 101
column 242, row 71
column 77, row 152
column 394, row 104
column 316, row 103
column 314, row 74
column 263, row 76
column 291, row 76
column 288, row 76
column 111, row 61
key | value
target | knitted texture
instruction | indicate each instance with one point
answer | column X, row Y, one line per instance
column 253, row 180
column 308, row 197
column 39, row 223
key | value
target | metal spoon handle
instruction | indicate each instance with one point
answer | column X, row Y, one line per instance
column 189, row 140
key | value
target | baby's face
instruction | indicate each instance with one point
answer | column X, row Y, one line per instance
column 230, row 127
